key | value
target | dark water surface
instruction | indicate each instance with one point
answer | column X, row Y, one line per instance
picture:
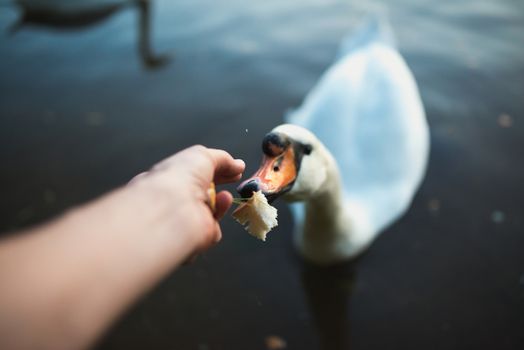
column 84, row 109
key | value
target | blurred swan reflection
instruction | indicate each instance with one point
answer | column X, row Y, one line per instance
column 328, row 292
column 75, row 14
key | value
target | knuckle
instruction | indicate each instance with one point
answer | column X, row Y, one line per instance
column 198, row 148
column 203, row 152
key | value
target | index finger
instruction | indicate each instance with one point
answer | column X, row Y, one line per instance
column 227, row 169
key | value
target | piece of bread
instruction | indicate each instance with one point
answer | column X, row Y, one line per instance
column 212, row 197
column 258, row 216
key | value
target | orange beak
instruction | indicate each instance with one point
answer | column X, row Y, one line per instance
column 275, row 176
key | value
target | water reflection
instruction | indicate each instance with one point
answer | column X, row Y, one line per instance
column 328, row 292
column 77, row 14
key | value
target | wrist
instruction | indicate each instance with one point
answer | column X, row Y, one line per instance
column 169, row 208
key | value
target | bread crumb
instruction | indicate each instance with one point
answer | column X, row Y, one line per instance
column 212, row 197
column 257, row 215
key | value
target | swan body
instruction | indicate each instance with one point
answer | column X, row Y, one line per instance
column 75, row 14
column 367, row 147
column 71, row 7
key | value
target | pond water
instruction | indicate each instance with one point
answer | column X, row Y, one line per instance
column 86, row 104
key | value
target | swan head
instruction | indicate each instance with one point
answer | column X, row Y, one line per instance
column 294, row 165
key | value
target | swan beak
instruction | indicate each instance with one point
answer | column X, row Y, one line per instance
column 275, row 176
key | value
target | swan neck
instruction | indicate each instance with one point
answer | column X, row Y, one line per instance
column 324, row 209
column 325, row 203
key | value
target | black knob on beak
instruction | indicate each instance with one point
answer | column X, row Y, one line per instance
column 246, row 189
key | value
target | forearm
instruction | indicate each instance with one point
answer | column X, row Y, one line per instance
column 76, row 274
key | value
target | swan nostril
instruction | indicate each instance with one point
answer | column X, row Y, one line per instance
column 246, row 190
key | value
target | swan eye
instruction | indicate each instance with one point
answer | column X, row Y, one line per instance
column 308, row 149
column 276, row 168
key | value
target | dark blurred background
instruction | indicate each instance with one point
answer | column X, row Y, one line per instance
column 88, row 101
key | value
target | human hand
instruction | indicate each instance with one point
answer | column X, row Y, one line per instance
column 94, row 261
column 185, row 178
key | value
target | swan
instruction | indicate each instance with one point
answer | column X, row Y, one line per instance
column 69, row 14
column 352, row 156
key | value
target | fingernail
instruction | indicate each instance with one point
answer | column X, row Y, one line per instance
column 240, row 162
